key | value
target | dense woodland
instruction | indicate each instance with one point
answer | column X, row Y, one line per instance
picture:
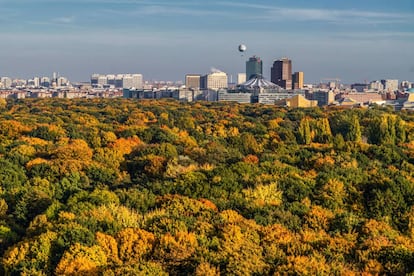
column 126, row 187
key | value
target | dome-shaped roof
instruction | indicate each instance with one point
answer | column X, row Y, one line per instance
column 258, row 82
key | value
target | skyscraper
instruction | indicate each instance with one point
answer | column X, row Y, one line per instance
column 254, row 66
column 297, row 80
column 281, row 73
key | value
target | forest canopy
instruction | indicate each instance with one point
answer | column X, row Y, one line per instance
column 127, row 187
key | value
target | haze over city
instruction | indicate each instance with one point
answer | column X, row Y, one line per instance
column 164, row 40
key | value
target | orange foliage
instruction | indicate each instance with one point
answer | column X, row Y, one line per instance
column 126, row 145
column 178, row 248
column 252, row 159
column 306, row 265
column 134, row 244
column 109, row 246
column 34, row 141
column 35, row 162
column 207, row 203
column 13, row 128
column 206, row 269
column 319, row 217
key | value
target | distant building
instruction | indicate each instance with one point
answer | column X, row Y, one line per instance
column 390, row 85
column 254, row 66
column 234, row 96
column 297, row 80
column 241, row 77
column 323, row 97
column 192, row 81
column 281, row 73
column 361, row 98
column 110, row 80
column 45, row 82
column 360, row 87
column 132, row 80
column 376, row 86
column 62, row 81
column 214, row 81
column 118, row 81
column 7, row 82
column 297, row 101
column 405, row 85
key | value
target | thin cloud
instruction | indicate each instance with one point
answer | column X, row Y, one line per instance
column 162, row 10
column 64, row 19
column 272, row 13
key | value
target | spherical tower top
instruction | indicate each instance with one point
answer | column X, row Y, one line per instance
column 242, row 48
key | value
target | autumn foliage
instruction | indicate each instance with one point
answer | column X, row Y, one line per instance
column 128, row 187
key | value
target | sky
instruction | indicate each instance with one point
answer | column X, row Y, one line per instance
column 353, row 40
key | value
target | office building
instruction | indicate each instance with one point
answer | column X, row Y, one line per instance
column 254, row 66
column 376, row 86
column 214, row 81
column 62, row 81
column 192, row 81
column 390, row 85
column 297, row 80
column 281, row 73
column 118, row 81
column 102, row 80
column 94, row 79
column 132, row 80
column 45, row 82
column 405, row 85
column 234, row 96
column 360, row 87
column 7, row 82
column 241, row 78
column 323, row 97
column 110, row 80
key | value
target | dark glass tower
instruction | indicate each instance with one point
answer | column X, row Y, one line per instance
column 254, row 66
column 281, row 73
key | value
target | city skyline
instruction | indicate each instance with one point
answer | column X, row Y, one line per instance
column 166, row 40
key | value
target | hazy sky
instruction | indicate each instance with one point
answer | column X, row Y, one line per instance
column 354, row 40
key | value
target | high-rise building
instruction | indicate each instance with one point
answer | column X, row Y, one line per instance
column 241, row 78
column 281, row 73
column 214, row 81
column 297, row 80
column 192, row 81
column 254, row 66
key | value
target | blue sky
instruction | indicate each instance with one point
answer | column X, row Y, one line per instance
column 351, row 40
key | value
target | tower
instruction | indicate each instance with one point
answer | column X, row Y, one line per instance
column 281, row 73
column 254, row 66
column 297, row 80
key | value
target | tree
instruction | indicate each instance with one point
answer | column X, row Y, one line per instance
column 304, row 130
column 354, row 132
column 82, row 260
column 134, row 244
